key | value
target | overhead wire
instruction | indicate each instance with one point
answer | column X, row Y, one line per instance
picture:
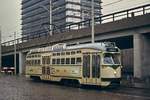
column 112, row 3
column 108, row 4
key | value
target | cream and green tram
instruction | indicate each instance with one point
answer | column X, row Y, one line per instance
column 89, row 64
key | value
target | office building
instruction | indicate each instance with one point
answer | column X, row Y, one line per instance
column 36, row 14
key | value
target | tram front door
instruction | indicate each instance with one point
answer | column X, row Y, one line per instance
column 91, row 68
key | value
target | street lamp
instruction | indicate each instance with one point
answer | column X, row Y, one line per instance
column 50, row 13
column 15, row 52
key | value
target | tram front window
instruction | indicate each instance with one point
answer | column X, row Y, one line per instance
column 111, row 58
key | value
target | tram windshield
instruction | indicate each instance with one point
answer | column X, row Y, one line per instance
column 111, row 58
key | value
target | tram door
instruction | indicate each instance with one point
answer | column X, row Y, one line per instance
column 91, row 68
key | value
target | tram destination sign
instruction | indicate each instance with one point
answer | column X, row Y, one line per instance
column 112, row 50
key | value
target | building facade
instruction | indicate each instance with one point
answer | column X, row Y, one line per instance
column 36, row 14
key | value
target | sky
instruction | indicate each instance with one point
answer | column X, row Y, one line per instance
column 10, row 18
column 10, row 13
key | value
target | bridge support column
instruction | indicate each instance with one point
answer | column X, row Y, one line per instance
column 22, row 57
column 137, row 47
column 146, row 56
column 141, row 56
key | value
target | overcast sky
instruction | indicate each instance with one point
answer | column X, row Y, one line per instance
column 10, row 13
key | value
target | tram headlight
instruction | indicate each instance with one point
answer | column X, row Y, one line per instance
column 115, row 72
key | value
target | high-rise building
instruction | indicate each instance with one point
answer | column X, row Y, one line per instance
column 36, row 14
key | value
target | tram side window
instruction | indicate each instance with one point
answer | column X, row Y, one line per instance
column 35, row 62
column 63, row 53
column 32, row 56
column 47, row 60
column 58, row 61
column 38, row 62
column 58, row 54
column 31, row 62
column 67, row 60
column 54, row 54
column 53, row 61
column 27, row 62
column 72, row 60
column 78, row 60
column 78, row 51
column 95, row 66
column 67, row 53
column 73, row 52
column 43, row 60
column 62, row 60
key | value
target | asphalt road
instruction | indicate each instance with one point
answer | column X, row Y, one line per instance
column 21, row 88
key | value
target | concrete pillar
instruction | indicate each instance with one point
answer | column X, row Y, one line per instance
column 22, row 57
column 141, row 56
column 137, row 50
column 146, row 56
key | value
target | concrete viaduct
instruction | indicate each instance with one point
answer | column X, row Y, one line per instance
column 131, row 34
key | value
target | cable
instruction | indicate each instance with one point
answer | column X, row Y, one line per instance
column 109, row 4
column 112, row 3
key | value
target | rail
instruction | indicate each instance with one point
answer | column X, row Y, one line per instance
column 137, row 11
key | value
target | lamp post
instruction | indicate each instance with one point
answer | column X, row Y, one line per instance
column 93, row 21
column 15, row 53
column 50, row 13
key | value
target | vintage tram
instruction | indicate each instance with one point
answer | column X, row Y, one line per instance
column 89, row 64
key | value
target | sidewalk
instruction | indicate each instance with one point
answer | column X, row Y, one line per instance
column 136, row 83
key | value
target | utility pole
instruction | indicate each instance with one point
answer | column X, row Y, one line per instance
column 50, row 20
column 15, row 52
column 50, row 14
column 0, row 48
column 93, row 21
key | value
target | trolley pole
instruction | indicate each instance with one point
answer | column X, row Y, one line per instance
column 0, row 49
column 93, row 21
column 15, row 67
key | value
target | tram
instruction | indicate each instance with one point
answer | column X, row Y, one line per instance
column 89, row 64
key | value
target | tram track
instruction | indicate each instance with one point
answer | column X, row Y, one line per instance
column 129, row 91
column 116, row 90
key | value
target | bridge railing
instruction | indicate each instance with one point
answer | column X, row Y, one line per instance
column 137, row 11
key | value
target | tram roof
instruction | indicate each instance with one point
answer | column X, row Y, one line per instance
column 62, row 47
column 97, row 46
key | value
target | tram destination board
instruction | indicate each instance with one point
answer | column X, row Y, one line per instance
column 112, row 50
